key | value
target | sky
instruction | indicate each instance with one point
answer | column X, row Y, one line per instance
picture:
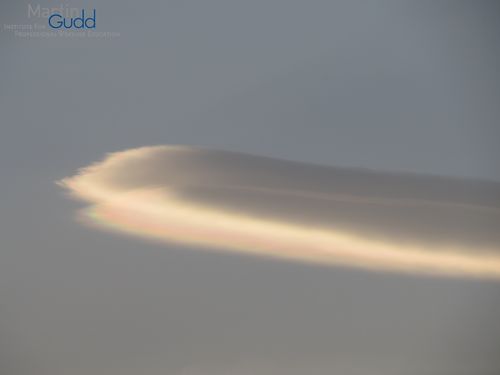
column 397, row 86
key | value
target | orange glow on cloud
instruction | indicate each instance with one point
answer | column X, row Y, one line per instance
column 173, row 194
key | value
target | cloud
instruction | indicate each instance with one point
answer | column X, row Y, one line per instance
column 289, row 210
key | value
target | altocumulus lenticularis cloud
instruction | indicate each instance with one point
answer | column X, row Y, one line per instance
column 257, row 205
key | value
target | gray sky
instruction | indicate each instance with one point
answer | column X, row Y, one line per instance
column 390, row 85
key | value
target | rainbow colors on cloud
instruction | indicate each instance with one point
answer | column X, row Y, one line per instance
column 229, row 201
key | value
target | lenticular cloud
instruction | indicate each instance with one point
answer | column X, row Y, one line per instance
column 269, row 207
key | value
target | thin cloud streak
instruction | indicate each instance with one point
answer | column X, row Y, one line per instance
column 289, row 210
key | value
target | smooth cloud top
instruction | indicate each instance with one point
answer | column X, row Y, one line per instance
column 290, row 210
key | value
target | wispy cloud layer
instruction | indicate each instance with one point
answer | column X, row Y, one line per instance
column 269, row 207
